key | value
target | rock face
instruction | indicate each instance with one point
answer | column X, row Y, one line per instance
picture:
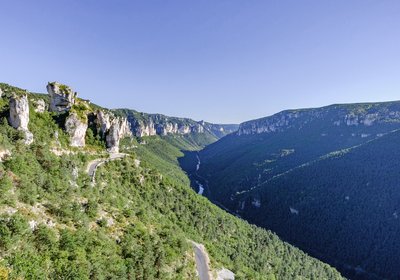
column 103, row 121
column 340, row 115
column 156, row 124
column 19, row 116
column 40, row 106
column 62, row 97
column 1, row 93
column 76, row 128
column 119, row 129
column 113, row 129
column 112, row 138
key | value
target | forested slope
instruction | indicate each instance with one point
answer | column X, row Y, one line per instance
column 324, row 179
column 135, row 222
column 344, row 207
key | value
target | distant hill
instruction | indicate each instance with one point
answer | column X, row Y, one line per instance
column 325, row 179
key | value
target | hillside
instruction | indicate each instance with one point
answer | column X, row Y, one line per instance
column 134, row 220
column 293, row 173
column 347, row 203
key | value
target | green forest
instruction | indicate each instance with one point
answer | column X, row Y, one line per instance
column 332, row 190
column 135, row 222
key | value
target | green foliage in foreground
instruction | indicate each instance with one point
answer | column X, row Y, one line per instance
column 134, row 223
column 122, row 228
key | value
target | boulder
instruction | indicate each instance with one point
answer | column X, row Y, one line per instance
column 19, row 115
column 76, row 128
column 225, row 274
column 40, row 106
column 62, row 97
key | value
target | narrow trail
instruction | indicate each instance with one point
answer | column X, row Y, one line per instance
column 202, row 261
column 94, row 164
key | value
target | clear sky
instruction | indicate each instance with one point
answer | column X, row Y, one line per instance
column 223, row 61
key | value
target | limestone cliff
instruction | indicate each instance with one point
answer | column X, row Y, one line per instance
column 143, row 124
column 19, row 115
column 339, row 115
column 112, row 129
column 103, row 122
column 62, row 97
column 76, row 128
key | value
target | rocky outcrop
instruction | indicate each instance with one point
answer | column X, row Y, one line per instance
column 40, row 106
column 19, row 115
column 62, row 97
column 119, row 129
column 225, row 274
column 141, row 129
column 172, row 128
column 277, row 122
column 112, row 138
column 112, row 129
column 156, row 124
column 76, row 128
column 1, row 93
column 339, row 115
column 103, row 122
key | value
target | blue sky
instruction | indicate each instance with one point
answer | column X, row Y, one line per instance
column 221, row 61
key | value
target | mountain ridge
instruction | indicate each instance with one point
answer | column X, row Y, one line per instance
column 349, row 114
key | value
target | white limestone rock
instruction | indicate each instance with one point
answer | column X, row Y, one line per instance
column 62, row 97
column 225, row 274
column 40, row 106
column 19, row 115
column 76, row 128
column 103, row 121
column 119, row 129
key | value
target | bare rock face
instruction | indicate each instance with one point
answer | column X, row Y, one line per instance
column 145, row 129
column 125, row 128
column 103, row 121
column 19, row 116
column 62, row 97
column 119, row 129
column 76, row 128
column 112, row 139
column 1, row 93
column 40, row 106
